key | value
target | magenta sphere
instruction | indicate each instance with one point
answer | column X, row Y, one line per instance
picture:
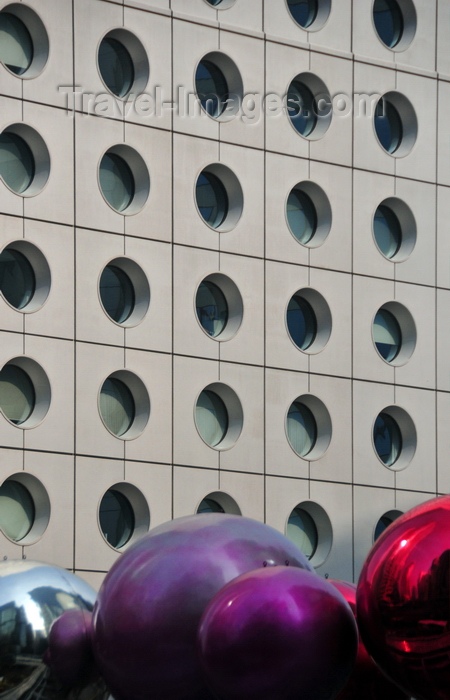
column 278, row 634
column 69, row 654
column 149, row 607
column 366, row 681
column 403, row 601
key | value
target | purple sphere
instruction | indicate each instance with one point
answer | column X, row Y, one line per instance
column 278, row 634
column 69, row 653
column 149, row 607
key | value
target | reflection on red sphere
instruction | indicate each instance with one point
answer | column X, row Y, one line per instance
column 403, row 601
column 366, row 681
column 277, row 634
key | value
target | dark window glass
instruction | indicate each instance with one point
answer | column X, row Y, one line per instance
column 211, row 417
column 303, row 11
column 212, row 88
column 302, row 530
column 301, row 322
column 301, row 216
column 17, row 280
column 212, row 199
column 387, row 335
column 208, row 505
column 116, row 518
column 387, row 231
column 116, row 293
column 212, row 308
column 17, row 512
column 16, row 162
column 117, row 406
column 17, row 396
column 116, row 181
column 116, row 66
column 302, row 108
column 388, row 126
column 388, row 20
column 301, row 429
column 16, row 46
column 387, row 439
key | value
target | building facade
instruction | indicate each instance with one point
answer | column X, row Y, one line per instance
column 224, row 268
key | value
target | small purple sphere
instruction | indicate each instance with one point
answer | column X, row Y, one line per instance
column 278, row 634
column 69, row 654
column 149, row 607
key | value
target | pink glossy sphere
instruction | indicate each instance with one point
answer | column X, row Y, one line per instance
column 69, row 653
column 366, row 681
column 278, row 634
column 149, row 607
column 403, row 601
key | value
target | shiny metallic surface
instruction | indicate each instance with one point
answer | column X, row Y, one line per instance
column 32, row 596
column 403, row 601
column 149, row 607
column 366, row 680
column 279, row 634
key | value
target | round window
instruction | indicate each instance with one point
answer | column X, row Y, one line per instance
column 123, row 179
column 308, row 214
column 218, row 416
column 309, row 106
column 395, row 22
column 219, row 198
column 116, row 518
column 212, row 308
column 124, row 405
column 394, row 229
column 309, row 14
column 302, row 530
column 208, row 505
column 116, row 293
column 122, row 63
column 23, row 41
column 24, row 159
column 17, row 511
column 308, row 320
column 218, row 85
column 394, row 437
column 384, row 522
column 308, row 427
column 394, row 333
column 395, row 124
column 17, row 395
column 221, row 4
column 24, row 276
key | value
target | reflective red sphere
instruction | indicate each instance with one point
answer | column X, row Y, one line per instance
column 278, row 634
column 149, row 607
column 403, row 601
column 366, row 681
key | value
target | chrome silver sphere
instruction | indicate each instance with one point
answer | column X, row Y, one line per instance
column 32, row 596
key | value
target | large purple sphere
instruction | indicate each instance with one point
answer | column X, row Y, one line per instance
column 69, row 653
column 149, row 607
column 367, row 681
column 278, row 634
column 403, row 601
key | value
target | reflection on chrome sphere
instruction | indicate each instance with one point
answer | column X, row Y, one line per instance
column 32, row 596
column 403, row 601
column 366, row 680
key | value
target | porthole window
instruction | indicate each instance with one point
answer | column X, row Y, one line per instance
column 308, row 320
column 394, row 437
column 309, row 106
column 218, row 502
column 24, row 392
column 308, row 427
column 218, row 85
column 124, row 404
column 309, row 527
column 384, row 522
column 218, row 416
column 123, row 179
column 309, row 14
column 308, row 214
column 394, row 333
column 208, row 505
column 24, row 508
column 218, row 306
column 124, row 292
column 395, row 124
column 123, row 63
column 395, row 22
column 24, row 276
column 23, row 41
column 24, row 159
column 219, row 198
column 394, row 229
column 123, row 515
column 302, row 530
column 221, row 4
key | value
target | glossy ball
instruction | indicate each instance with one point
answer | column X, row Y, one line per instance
column 32, row 596
column 277, row 634
column 366, row 681
column 150, row 604
column 69, row 654
column 403, row 600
